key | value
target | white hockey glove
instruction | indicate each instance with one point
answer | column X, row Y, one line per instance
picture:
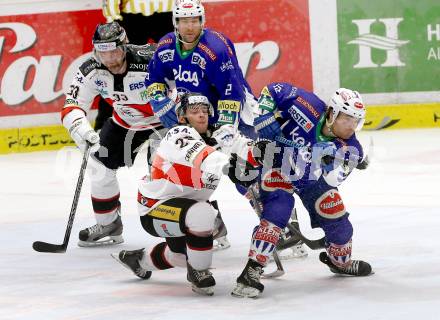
column 224, row 136
column 80, row 129
column 82, row 132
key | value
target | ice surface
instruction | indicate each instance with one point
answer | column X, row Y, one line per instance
column 394, row 207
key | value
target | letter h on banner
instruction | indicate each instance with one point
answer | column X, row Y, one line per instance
column 390, row 43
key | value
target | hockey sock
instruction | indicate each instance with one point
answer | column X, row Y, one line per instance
column 160, row 257
column 199, row 251
column 340, row 255
column 264, row 239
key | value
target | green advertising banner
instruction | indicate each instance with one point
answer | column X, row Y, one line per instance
column 389, row 46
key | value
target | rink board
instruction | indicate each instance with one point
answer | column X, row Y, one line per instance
column 389, row 53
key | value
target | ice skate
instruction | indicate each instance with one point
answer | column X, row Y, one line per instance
column 248, row 283
column 290, row 246
column 296, row 251
column 357, row 268
column 97, row 234
column 130, row 260
column 221, row 242
column 202, row 281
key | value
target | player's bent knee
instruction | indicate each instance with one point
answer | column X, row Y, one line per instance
column 200, row 219
column 277, row 207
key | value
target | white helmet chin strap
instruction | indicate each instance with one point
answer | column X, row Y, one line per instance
column 329, row 124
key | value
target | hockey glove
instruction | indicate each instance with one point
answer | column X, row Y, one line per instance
column 224, row 135
column 267, row 126
column 164, row 109
column 82, row 132
column 323, row 154
column 264, row 152
column 240, row 171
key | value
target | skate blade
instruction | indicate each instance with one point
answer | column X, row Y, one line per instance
column 275, row 274
column 115, row 256
column 295, row 252
column 344, row 275
column 106, row 241
column 221, row 244
column 208, row 291
column 242, row 291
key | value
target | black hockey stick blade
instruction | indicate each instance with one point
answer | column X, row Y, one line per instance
column 48, row 247
column 312, row 244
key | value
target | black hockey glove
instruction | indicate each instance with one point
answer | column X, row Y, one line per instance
column 240, row 171
column 264, row 152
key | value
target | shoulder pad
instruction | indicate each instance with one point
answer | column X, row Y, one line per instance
column 222, row 38
column 142, row 53
column 138, row 57
column 166, row 40
column 89, row 65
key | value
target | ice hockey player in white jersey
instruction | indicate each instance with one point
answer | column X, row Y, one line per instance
column 116, row 72
column 174, row 201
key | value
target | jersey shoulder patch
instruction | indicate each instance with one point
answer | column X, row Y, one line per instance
column 225, row 41
column 88, row 66
column 166, row 40
column 138, row 57
column 142, row 53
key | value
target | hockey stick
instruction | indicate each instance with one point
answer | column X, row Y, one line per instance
column 362, row 163
column 61, row 248
column 312, row 244
column 280, row 270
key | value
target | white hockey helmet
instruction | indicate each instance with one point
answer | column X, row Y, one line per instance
column 188, row 8
column 190, row 99
column 349, row 102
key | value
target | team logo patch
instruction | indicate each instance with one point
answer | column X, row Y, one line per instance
column 208, row 51
column 166, row 228
column 266, row 103
column 197, row 59
column 166, row 212
column 229, row 105
column 301, row 119
column 155, row 88
column 265, row 92
column 330, row 205
column 166, row 55
column 358, row 105
column 274, row 180
column 226, row 66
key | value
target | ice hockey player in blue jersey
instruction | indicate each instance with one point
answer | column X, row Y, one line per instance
column 313, row 150
column 198, row 59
